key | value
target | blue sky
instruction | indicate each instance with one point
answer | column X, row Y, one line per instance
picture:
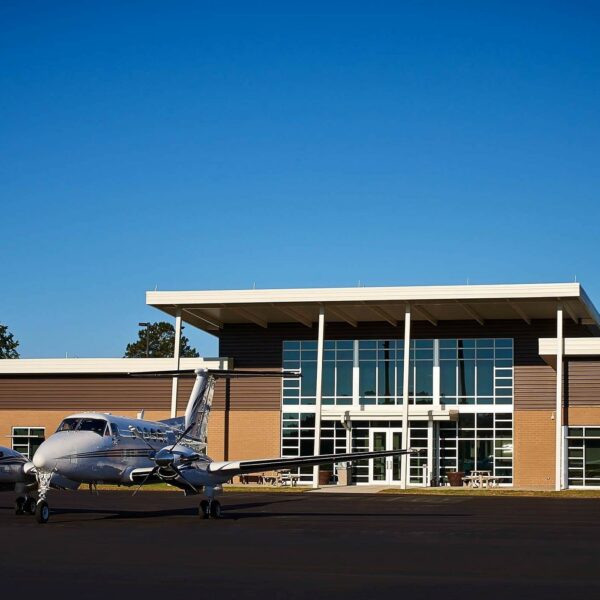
column 209, row 145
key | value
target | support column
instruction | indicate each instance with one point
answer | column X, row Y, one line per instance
column 559, row 477
column 176, row 353
column 319, row 391
column 405, row 389
column 430, row 448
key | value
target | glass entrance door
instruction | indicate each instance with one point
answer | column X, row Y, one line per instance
column 385, row 470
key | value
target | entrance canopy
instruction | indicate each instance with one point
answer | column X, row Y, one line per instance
column 213, row 310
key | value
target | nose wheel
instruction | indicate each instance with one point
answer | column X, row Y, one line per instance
column 210, row 509
column 42, row 511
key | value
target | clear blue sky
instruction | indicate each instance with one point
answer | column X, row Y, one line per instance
column 208, row 145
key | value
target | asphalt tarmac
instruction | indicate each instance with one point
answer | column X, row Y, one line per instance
column 284, row 545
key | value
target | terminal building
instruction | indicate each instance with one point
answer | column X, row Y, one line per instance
column 497, row 378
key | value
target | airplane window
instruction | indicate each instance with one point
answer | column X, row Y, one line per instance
column 115, row 429
column 95, row 425
column 69, row 425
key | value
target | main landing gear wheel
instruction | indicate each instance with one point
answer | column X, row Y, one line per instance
column 20, row 505
column 210, row 509
column 42, row 512
column 30, row 506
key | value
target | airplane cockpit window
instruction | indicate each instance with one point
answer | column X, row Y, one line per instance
column 68, row 425
column 95, row 425
column 74, row 424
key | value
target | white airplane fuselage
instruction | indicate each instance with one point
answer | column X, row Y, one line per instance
column 108, row 452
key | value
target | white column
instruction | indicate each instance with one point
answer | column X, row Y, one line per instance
column 404, row 459
column 559, row 477
column 176, row 353
column 436, row 373
column 355, row 376
column 430, row 429
column 319, row 391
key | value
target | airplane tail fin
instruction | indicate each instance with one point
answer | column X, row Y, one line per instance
column 199, row 405
column 197, row 412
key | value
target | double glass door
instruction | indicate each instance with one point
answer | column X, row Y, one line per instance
column 385, row 470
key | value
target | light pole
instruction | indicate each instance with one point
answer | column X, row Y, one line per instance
column 146, row 325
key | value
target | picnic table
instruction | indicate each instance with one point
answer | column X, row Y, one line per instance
column 281, row 478
column 481, row 479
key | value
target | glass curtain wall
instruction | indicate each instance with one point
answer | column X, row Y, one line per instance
column 476, row 374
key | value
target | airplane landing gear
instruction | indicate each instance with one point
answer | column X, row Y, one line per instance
column 20, row 505
column 30, row 506
column 210, row 509
column 42, row 511
column 25, row 505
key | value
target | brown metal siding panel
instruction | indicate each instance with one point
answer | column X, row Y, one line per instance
column 74, row 394
column 534, row 387
column 583, row 383
column 252, row 393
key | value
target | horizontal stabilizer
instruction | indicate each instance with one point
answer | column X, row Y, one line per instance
column 175, row 422
column 273, row 464
column 215, row 373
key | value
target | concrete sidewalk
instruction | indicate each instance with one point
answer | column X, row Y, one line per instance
column 350, row 489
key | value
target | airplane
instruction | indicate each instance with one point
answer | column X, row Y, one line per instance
column 94, row 448
column 17, row 473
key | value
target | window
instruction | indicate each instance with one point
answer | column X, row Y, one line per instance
column 298, row 439
column 380, row 371
column 338, row 362
column 84, row 424
column 583, row 449
column 478, row 441
column 27, row 440
column 476, row 371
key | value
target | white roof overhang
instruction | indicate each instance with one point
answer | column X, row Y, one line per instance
column 105, row 366
column 573, row 348
column 212, row 310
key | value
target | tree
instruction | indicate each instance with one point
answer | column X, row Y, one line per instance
column 161, row 343
column 8, row 345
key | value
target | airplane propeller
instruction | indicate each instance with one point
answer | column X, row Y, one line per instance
column 165, row 458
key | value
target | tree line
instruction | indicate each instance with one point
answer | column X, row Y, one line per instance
column 156, row 340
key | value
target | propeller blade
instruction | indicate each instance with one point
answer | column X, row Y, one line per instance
column 185, row 432
column 183, row 479
column 150, row 474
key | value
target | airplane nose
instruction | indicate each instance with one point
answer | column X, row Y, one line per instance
column 43, row 457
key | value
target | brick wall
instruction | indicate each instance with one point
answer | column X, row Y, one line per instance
column 50, row 419
column 534, row 449
column 583, row 416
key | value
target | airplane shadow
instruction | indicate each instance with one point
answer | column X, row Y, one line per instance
column 231, row 515
column 232, row 512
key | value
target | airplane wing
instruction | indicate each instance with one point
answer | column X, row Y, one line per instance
column 238, row 467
